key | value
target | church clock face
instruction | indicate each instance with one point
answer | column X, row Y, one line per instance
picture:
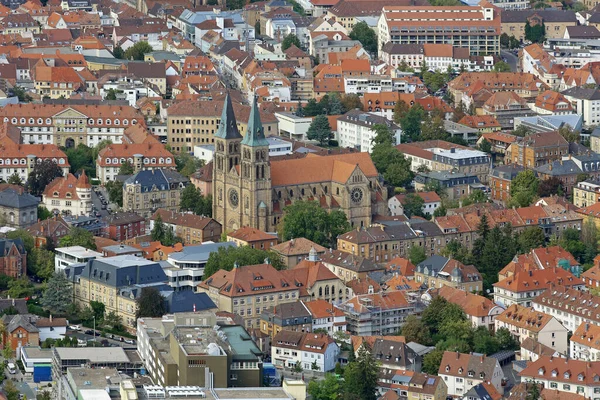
column 234, row 199
column 356, row 195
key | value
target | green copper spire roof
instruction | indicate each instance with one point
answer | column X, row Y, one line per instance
column 228, row 127
column 255, row 135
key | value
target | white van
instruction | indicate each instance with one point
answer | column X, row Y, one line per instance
column 12, row 368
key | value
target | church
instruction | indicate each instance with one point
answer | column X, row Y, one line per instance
column 251, row 190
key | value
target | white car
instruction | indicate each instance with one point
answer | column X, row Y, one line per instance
column 75, row 327
column 129, row 341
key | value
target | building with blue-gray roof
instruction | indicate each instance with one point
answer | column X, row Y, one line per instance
column 118, row 282
column 149, row 190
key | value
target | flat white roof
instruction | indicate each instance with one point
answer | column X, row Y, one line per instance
column 458, row 153
column 93, row 394
column 93, row 354
column 78, row 251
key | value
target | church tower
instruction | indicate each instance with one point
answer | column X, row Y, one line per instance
column 226, row 170
column 256, row 175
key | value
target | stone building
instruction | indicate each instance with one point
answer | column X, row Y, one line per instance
column 251, row 190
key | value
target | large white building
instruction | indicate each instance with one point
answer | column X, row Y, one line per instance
column 69, row 195
column 586, row 102
column 569, row 306
column 355, row 129
column 310, row 350
column 585, row 343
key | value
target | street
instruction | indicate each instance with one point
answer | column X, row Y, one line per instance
column 511, row 59
column 96, row 201
column 112, row 342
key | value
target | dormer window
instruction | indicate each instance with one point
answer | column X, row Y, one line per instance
column 460, row 370
column 447, row 368
column 567, row 375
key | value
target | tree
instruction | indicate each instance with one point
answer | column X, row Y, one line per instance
column 416, row 255
column 313, row 108
column 549, row 187
column 41, row 175
column 159, row 229
column 440, row 211
column 21, row 94
column 138, row 51
column 98, row 310
column 299, row 110
column 99, row 147
column 226, row 258
column 533, row 390
column 502, row 66
column 81, row 158
column 400, row 110
column 392, row 164
column 589, row 237
column 570, row 240
column 536, row 33
column 10, row 390
column 504, row 40
column 290, row 40
column 523, row 188
column 434, row 80
column 432, row 361
column 15, row 179
column 411, row 122
column 522, row 131
column 506, row 340
column 531, row 238
column 20, row 288
column 43, row 213
column 118, row 52
column 78, row 237
column 413, row 205
column 326, row 389
column 360, row 377
column 433, row 129
column 320, row 130
column 314, row 366
column 352, row 102
column 499, row 249
column 569, row 134
column 57, row 296
column 414, row 330
column 366, row 36
column 115, row 192
column 111, row 94
column 112, row 320
column 192, row 200
column 126, row 168
column 475, row 197
column 308, row 220
column 186, row 164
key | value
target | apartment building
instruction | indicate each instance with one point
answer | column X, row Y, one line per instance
column 441, row 25
column 348, row 266
column 69, row 195
column 380, row 243
column 198, row 349
column 417, row 386
column 294, row 251
column 377, row 314
column 13, row 258
column 70, row 125
column 191, row 228
column 250, row 290
column 312, row 351
column 149, row 190
column 524, row 322
column 65, row 257
column 537, row 149
column 254, row 238
column 555, row 21
column 355, row 129
column 122, row 226
column 438, row 271
column 565, row 376
column 586, row 101
column 569, row 305
column 142, row 156
column 20, row 159
column 480, row 310
column 193, row 123
column 500, row 181
column 461, row 372
column 569, row 168
column 584, row 343
column 505, row 107
column 439, row 155
column 541, row 258
column 523, row 287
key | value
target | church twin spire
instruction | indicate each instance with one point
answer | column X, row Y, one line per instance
column 255, row 135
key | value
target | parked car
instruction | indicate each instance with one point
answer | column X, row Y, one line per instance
column 11, row 368
column 89, row 332
column 129, row 341
column 75, row 327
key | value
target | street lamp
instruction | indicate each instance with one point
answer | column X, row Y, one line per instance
column 94, row 333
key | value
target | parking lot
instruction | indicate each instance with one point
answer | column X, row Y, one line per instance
column 86, row 335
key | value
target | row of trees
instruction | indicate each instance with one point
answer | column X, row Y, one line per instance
column 330, row 104
column 446, row 326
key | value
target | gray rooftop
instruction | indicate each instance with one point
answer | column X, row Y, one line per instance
column 198, row 253
column 9, row 197
column 93, row 354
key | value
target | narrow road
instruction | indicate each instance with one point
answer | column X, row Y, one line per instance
column 511, row 59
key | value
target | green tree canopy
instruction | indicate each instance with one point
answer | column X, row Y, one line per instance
column 41, row 175
column 413, row 205
column 325, row 389
column 115, row 192
column 227, row 257
column 523, row 188
column 416, row 255
column 502, row 66
column 531, row 238
column 138, row 51
column 309, row 220
column 126, row 168
column 78, row 237
column 150, row 304
column 57, row 296
column 290, row 40
column 82, row 158
column 320, row 130
column 360, row 377
column 192, row 200
column 366, row 36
